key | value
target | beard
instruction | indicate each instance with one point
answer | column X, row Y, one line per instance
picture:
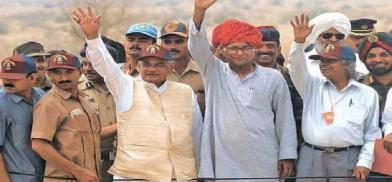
column 380, row 71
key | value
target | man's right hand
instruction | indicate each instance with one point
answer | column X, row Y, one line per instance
column 301, row 28
column 203, row 4
column 88, row 22
column 200, row 8
column 85, row 175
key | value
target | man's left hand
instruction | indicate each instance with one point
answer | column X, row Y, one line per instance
column 286, row 167
column 361, row 172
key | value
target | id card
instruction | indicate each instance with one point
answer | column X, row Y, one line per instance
column 328, row 117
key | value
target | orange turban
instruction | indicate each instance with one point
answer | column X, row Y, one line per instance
column 234, row 31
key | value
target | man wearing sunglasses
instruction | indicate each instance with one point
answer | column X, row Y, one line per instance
column 340, row 115
column 328, row 28
column 249, row 128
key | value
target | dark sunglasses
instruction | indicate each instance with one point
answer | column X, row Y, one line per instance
column 328, row 35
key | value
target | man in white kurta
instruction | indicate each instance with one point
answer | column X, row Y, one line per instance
column 249, row 128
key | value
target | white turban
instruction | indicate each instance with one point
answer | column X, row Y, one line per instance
column 325, row 21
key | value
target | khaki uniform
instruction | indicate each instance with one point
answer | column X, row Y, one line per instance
column 104, row 104
column 72, row 127
column 192, row 77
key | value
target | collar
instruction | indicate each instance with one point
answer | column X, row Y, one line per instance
column 191, row 66
column 250, row 75
column 64, row 94
column 351, row 83
column 160, row 89
column 16, row 98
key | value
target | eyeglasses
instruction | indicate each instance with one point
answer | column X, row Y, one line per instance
column 329, row 61
column 328, row 35
column 235, row 49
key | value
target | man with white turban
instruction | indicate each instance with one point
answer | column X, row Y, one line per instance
column 328, row 28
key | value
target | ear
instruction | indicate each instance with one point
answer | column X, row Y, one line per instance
column 279, row 49
column 138, row 67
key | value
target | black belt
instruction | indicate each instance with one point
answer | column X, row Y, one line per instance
column 105, row 155
column 331, row 149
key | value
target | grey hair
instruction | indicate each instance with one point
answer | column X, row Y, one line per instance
column 349, row 67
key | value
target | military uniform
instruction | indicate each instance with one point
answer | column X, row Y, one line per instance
column 104, row 104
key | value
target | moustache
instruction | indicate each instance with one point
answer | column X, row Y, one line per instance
column 91, row 72
column 174, row 51
column 10, row 85
column 65, row 81
column 264, row 53
column 135, row 47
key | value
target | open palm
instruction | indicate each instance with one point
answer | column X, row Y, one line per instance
column 88, row 22
column 301, row 28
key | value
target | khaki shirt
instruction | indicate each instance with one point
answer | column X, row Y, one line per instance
column 104, row 104
column 72, row 127
column 191, row 76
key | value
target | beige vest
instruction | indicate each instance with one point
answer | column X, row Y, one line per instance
column 154, row 136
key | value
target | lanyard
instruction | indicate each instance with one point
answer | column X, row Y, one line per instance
column 336, row 102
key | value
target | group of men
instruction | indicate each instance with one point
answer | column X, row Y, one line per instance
column 181, row 109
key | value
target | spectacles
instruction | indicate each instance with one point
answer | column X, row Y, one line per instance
column 235, row 50
column 328, row 35
column 329, row 61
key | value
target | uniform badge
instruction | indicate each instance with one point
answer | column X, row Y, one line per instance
column 153, row 49
column 372, row 37
column 7, row 64
column 59, row 59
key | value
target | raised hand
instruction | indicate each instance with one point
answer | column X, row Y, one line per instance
column 301, row 28
column 200, row 8
column 88, row 22
column 203, row 4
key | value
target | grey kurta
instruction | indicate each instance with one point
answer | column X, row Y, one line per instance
column 249, row 123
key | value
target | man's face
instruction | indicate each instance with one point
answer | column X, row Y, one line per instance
column 331, row 36
column 379, row 61
column 135, row 43
column 239, row 54
column 332, row 69
column 20, row 85
column 267, row 53
column 41, row 63
column 64, row 78
column 89, row 72
column 154, row 70
column 353, row 41
column 178, row 46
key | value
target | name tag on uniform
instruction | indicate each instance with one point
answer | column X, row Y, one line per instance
column 76, row 112
column 328, row 117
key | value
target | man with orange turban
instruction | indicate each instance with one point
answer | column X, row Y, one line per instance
column 249, row 129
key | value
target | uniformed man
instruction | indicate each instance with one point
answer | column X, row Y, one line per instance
column 360, row 28
column 17, row 100
column 39, row 55
column 376, row 52
column 93, row 85
column 66, row 129
column 138, row 37
column 174, row 36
